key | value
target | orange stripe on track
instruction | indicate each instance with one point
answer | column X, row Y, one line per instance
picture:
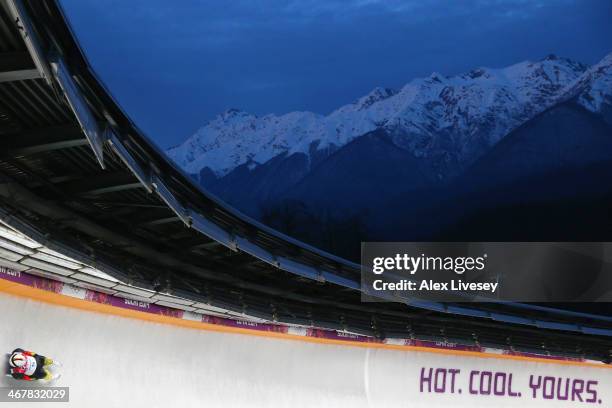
column 40, row 295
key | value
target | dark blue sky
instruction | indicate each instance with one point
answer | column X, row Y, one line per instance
column 173, row 65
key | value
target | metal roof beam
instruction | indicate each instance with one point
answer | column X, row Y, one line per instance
column 112, row 189
column 17, row 66
column 41, row 140
column 30, row 37
column 81, row 109
column 207, row 245
column 161, row 221
column 102, row 183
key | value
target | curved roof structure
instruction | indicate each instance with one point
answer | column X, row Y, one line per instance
column 77, row 175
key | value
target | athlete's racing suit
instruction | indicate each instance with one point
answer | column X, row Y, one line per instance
column 35, row 367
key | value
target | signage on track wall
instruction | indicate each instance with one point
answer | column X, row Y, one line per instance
column 428, row 380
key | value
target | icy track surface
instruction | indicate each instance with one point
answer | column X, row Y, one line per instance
column 112, row 361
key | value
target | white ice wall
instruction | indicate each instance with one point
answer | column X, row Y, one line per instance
column 117, row 362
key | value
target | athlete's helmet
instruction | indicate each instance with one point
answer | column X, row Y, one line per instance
column 17, row 360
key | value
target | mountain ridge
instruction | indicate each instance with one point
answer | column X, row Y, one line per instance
column 437, row 159
column 476, row 108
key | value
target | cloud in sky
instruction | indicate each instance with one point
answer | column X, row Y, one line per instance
column 174, row 65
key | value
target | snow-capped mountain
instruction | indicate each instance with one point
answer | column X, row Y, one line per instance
column 502, row 154
column 593, row 89
column 449, row 119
